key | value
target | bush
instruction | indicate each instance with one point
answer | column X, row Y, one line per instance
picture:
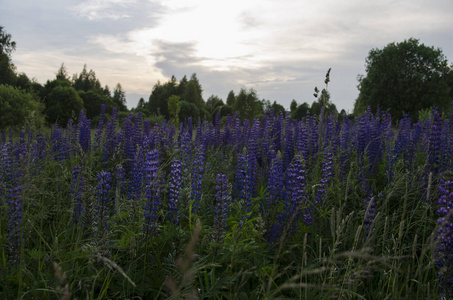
column 63, row 103
column 19, row 108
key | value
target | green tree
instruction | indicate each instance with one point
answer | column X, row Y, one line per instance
column 181, row 87
column 160, row 94
column 213, row 102
column 141, row 103
column 404, row 78
column 245, row 104
column 86, row 81
column 293, row 106
column 63, row 103
column 119, row 98
column 92, row 102
column 224, row 111
column 19, row 108
column 278, row 108
column 301, row 111
column 174, row 108
column 230, row 98
column 7, row 68
column 187, row 110
column 193, row 92
column 323, row 101
column 62, row 73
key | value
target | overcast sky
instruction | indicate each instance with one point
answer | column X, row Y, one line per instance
column 281, row 48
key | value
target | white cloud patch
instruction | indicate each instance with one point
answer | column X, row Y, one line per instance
column 104, row 9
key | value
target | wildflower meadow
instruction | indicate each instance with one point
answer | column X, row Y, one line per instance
column 270, row 208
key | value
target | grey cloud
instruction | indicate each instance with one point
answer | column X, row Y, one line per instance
column 281, row 81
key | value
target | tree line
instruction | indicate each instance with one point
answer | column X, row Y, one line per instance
column 402, row 78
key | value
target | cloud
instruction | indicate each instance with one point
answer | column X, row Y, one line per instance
column 281, row 48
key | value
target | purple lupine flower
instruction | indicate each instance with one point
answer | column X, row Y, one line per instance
column 59, row 146
column 255, row 136
column 221, row 207
column 153, row 193
column 136, row 177
column 120, row 182
column 363, row 137
column 186, row 149
column 197, row 176
column 77, row 184
column 138, row 129
column 327, row 174
column 174, row 187
column 302, row 140
column 296, row 200
column 245, row 181
column 146, row 127
column 275, row 181
column 345, row 146
column 313, row 146
column 288, row 153
column 327, row 130
column 100, row 128
column 14, row 222
column 276, row 133
column 275, row 185
column 295, row 205
column 7, row 164
column 236, row 135
column 104, row 197
column 128, row 141
column 434, row 148
column 218, row 134
column 209, row 138
column 445, row 150
column 444, row 239
column 239, row 181
column 265, row 141
column 84, row 129
column 157, row 136
column 374, row 143
column 401, row 146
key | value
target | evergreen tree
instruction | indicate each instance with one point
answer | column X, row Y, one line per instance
column 119, row 98
column 193, row 92
column 230, row 98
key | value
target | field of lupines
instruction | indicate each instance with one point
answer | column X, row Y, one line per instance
column 259, row 209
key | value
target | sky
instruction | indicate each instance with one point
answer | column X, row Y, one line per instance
column 280, row 48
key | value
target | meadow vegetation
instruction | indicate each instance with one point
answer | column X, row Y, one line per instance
column 255, row 209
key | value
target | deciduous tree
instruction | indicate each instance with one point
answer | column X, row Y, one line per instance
column 19, row 108
column 404, row 78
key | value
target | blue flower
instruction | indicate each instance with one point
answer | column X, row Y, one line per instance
column 174, row 187
column 197, row 176
column 221, row 207
column 444, row 239
column 327, row 174
column 153, row 192
column 14, row 222
column 104, row 197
